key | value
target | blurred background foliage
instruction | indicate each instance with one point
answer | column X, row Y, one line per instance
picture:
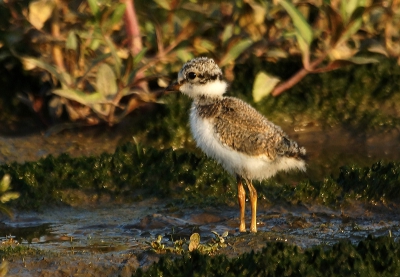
column 92, row 62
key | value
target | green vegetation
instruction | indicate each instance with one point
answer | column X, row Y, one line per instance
column 379, row 183
column 133, row 172
column 95, row 62
column 8, row 251
column 182, row 246
column 364, row 97
column 371, row 257
column 6, row 195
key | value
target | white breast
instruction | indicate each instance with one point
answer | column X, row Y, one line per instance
column 251, row 167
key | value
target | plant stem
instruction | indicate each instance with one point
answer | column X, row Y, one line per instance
column 133, row 33
column 55, row 32
column 298, row 76
column 183, row 35
column 132, row 28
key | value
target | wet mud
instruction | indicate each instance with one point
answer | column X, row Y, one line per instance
column 113, row 240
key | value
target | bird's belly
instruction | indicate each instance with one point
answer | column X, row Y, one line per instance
column 251, row 167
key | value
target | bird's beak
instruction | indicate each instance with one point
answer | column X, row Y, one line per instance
column 173, row 87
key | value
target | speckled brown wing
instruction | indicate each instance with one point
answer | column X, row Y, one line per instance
column 242, row 128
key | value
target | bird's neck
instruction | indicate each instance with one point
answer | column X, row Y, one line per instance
column 207, row 99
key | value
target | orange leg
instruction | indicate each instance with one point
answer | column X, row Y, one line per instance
column 242, row 203
column 253, row 202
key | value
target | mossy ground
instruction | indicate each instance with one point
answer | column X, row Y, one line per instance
column 18, row 251
column 371, row 257
column 135, row 172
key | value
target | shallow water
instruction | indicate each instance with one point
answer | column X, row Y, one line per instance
column 120, row 231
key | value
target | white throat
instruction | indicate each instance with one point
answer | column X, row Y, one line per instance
column 214, row 88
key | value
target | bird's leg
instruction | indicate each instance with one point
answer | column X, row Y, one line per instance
column 253, row 203
column 242, row 203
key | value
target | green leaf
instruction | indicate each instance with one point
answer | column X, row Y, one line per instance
column 126, row 91
column 227, row 33
column 98, row 59
column 9, row 196
column 344, row 62
column 347, row 8
column 46, row 66
column 118, row 14
column 184, row 55
column 139, row 56
column 106, row 83
column 304, row 48
column 263, row 85
column 86, row 99
column 93, row 64
column 208, row 45
column 94, row 44
column 353, row 26
column 117, row 59
column 204, row 46
column 5, row 183
column 69, row 81
column 94, row 7
column 235, row 51
column 277, row 54
column 300, row 23
column 134, row 67
column 362, row 60
column 165, row 4
column 72, row 41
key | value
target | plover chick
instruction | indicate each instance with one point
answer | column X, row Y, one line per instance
column 232, row 132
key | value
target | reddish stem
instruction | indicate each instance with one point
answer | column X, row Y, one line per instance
column 132, row 28
column 297, row 77
column 135, row 39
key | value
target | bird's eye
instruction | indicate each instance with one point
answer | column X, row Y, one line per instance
column 192, row 75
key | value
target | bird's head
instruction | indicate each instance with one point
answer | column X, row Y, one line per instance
column 200, row 77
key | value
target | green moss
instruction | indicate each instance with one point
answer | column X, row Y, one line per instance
column 371, row 257
column 133, row 172
column 7, row 251
column 326, row 192
column 165, row 125
column 129, row 172
column 380, row 182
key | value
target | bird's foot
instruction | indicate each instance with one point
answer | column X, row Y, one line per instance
column 253, row 229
